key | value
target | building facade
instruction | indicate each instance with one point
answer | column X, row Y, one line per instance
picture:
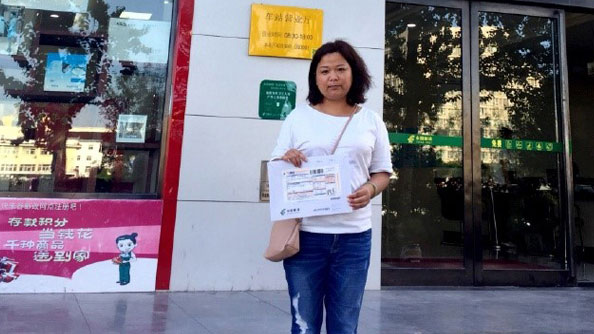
column 145, row 122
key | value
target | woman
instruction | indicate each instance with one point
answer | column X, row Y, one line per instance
column 331, row 268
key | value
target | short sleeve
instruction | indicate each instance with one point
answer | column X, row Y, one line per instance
column 381, row 160
column 284, row 142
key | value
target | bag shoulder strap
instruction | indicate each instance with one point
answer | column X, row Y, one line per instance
column 344, row 129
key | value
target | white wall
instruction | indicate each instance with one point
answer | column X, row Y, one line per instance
column 222, row 228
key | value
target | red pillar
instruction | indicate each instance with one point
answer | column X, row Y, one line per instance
column 173, row 144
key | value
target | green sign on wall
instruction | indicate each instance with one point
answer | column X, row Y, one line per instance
column 277, row 99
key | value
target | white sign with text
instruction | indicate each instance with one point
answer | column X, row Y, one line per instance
column 319, row 187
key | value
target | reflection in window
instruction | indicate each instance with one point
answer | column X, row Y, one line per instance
column 519, row 100
column 422, row 221
column 82, row 94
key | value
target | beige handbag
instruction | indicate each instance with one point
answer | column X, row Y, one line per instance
column 284, row 236
column 284, row 239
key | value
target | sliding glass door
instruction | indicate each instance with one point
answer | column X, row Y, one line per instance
column 474, row 109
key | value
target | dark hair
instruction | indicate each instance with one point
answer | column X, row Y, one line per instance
column 361, row 77
column 126, row 237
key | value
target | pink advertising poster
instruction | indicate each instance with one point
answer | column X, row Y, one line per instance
column 64, row 245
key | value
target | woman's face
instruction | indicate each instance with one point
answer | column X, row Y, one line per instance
column 334, row 77
column 126, row 245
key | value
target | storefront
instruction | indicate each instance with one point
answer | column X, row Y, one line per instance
column 85, row 125
column 478, row 99
column 109, row 106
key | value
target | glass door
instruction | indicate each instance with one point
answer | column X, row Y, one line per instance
column 426, row 235
column 474, row 109
column 521, row 220
column 580, row 64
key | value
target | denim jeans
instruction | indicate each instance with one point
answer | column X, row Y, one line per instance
column 329, row 271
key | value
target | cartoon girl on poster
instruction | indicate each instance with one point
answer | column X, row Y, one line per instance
column 126, row 243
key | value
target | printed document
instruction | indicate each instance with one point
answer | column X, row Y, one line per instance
column 319, row 187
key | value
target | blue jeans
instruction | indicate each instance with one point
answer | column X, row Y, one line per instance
column 330, row 270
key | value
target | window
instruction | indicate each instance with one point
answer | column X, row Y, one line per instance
column 44, row 168
column 80, row 79
column 27, row 168
column 7, row 168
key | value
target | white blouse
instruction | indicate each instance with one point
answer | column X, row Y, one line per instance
column 365, row 142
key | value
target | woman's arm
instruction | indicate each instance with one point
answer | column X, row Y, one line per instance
column 362, row 196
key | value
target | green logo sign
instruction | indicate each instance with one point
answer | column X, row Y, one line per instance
column 519, row 145
column 277, row 99
column 529, row 146
column 411, row 139
column 496, row 143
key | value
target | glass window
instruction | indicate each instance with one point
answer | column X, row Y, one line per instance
column 82, row 78
column 519, row 99
column 26, row 168
column 423, row 205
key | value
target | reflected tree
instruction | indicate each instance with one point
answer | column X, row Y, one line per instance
column 46, row 117
column 518, row 58
column 423, row 72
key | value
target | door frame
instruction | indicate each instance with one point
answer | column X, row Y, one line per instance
column 464, row 275
column 473, row 273
column 547, row 277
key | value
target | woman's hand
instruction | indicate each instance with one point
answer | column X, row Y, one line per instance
column 295, row 157
column 361, row 197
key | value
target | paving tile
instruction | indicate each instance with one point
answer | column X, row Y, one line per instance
column 406, row 310
column 41, row 313
column 136, row 313
column 279, row 299
column 481, row 311
column 233, row 312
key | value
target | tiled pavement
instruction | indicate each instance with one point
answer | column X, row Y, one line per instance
column 404, row 310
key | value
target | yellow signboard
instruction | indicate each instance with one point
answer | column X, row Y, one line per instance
column 281, row 31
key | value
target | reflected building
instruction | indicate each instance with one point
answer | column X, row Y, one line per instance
column 516, row 97
column 26, row 163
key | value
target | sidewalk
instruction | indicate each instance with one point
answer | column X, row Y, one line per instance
column 402, row 310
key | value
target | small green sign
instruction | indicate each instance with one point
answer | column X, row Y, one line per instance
column 522, row 145
column 277, row 99
column 419, row 139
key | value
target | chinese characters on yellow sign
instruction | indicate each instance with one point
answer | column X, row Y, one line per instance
column 281, row 31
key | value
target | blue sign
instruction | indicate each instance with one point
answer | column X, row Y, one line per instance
column 65, row 72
